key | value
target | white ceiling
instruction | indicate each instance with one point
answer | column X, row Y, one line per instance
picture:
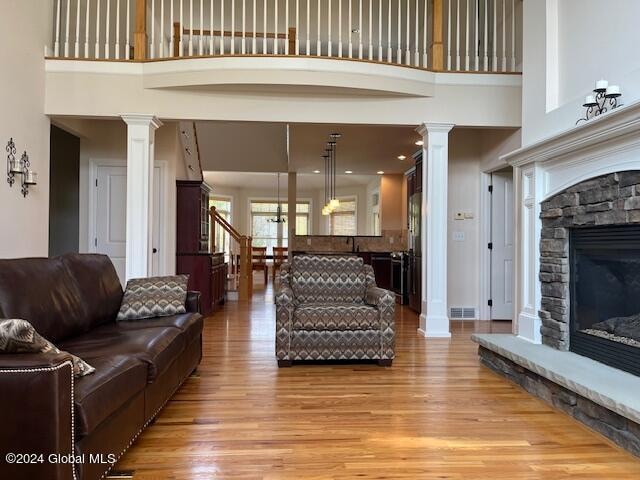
column 242, row 146
column 364, row 149
column 262, row 147
column 263, row 180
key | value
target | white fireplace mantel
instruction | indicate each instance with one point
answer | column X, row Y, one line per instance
column 606, row 144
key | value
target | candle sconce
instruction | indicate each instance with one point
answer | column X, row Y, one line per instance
column 605, row 99
column 19, row 167
column 13, row 164
column 29, row 177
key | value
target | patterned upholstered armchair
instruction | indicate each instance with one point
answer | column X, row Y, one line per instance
column 329, row 308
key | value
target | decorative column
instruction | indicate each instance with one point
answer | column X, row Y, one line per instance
column 528, row 230
column 434, row 319
column 291, row 212
column 140, row 158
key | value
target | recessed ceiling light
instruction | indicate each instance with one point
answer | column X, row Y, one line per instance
column 380, row 172
column 419, row 143
column 401, row 157
column 348, row 171
column 316, row 171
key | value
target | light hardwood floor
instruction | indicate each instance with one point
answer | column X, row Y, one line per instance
column 436, row 414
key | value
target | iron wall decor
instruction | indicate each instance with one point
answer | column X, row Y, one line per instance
column 28, row 175
column 13, row 164
column 20, row 167
column 604, row 99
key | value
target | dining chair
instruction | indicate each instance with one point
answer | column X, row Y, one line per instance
column 259, row 261
column 280, row 255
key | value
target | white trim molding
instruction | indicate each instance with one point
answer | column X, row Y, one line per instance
column 607, row 144
column 434, row 319
column 140, row 162
column 285, row 71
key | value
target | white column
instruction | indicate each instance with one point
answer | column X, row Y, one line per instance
column 528, row 196
column 140, row 158
column 434, row 319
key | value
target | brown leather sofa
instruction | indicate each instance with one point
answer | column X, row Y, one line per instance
column 78, row 428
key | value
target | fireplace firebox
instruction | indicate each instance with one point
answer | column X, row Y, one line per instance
column 605, row 295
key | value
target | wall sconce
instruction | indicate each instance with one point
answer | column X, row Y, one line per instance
column 29, row 177
column 19, row 167
column 605, row 99
column 13, row 164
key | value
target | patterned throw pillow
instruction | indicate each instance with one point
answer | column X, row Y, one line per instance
column 154, row 297
column 19, row 336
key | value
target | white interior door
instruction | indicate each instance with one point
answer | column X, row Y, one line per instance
column 502, row 251
column 111, row 214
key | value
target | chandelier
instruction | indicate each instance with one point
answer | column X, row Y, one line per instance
column 330, row 199
column 279, row 218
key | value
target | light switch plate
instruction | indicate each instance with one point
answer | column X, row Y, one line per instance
column 458, row 216
column 308, row 241
column 468, row 215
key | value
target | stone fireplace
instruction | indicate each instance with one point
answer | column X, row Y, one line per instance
column 590, row 270
column 576, row 341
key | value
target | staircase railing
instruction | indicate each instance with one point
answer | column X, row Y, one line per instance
column 437, row 35
column 245, row 282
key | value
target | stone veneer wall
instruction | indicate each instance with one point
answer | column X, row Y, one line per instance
column 612, row 199
column 617, row 428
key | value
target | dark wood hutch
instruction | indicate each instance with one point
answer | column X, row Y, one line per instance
column 207, row 271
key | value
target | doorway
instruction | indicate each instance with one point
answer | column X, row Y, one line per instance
column 501, row 247
column 109, row 215
column 64, row 193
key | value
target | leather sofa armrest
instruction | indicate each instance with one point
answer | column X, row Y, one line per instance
column 37, row 406
column 284, row 321
column 385, row 303
column 192, row 304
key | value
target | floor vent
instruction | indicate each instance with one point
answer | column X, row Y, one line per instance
column 462, row 313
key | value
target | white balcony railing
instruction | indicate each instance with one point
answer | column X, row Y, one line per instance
column 452, row 35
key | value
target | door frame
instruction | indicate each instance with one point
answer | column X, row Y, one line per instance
column 484, row 253
column 92, row 223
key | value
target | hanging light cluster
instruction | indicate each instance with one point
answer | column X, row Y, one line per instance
column 331, row 202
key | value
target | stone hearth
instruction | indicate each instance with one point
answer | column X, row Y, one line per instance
column 612, row 199
column 601, row 397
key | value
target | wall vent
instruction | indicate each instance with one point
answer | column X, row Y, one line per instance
column 463, row 313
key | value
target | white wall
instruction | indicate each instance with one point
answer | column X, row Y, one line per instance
column 103, row 141
column 471, row 152
column 464, row 194
column 24, row 30
column 568, row 45
column 495, row 143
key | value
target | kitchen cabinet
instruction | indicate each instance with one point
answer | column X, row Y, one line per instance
column 381, row 263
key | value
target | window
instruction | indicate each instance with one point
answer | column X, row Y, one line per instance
column 344, row 219
column 266, row 233
column 222, row 240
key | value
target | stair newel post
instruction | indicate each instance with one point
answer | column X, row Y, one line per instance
column 212, row 228
column 243, row 293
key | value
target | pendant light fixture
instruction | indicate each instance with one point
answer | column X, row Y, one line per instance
column 279, row 218
column 331, row 201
